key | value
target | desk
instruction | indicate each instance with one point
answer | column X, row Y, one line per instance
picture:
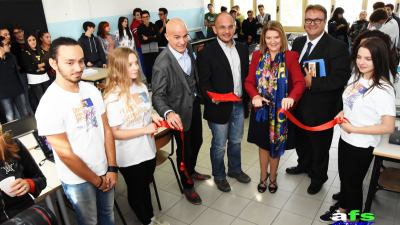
column 384, row 151
column 96, row 77
column 53, row 185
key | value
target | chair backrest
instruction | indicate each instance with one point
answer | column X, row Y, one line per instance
column 21, row 127
column 163, row 138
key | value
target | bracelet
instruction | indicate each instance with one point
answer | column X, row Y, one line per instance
column 101, row 182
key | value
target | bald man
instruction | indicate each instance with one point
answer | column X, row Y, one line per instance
column 223, row 66
column 176, row 96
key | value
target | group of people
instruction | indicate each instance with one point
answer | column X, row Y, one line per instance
column 94, row 136
column 247, row 30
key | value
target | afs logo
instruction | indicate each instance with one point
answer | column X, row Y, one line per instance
column 351, row 218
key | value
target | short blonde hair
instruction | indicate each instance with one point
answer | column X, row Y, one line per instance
column 276, row 26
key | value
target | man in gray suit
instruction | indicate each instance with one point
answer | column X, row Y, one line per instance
column 176, row 96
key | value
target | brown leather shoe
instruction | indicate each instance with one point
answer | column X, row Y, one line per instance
column 192, row 196
column 200, row 177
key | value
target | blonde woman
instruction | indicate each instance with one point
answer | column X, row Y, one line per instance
column 133, row 124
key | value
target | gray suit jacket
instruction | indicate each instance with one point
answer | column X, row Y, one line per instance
column 170, row 88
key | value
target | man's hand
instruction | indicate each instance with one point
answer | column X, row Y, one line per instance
column 145, row 38
column 308, row 77
column 89, row 64
column 174, row 121
column 112, row 179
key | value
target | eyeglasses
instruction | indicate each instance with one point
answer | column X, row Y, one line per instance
column 315, row 21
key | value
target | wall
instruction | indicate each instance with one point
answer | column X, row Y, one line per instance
column 65, row 18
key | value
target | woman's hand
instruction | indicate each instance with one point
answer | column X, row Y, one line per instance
column 20, row 187
column 257, row 101
column 150, row 129
column 156, row 119
column 287, row 103
column 347, row 127
column 340, row 115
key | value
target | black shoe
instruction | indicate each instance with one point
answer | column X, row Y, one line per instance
column 336, row 196
column 200, row 177
column 334, row 207
column 295, row 170
column 241, row 177
column 314, row 188
column 223, row 185
column 327, row 216
column 192, row 196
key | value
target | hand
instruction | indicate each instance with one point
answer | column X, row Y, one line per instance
column 145, row 38
column 257, row 101
column 41, row 65
column 215, row 102
column 340, row 115
column 287, row 103
column 156, row 119
column 308, row 77
column 104, row 65
column 102, row 181
column 174, row 121
column 150, row 129
column 347, row 127
column 20, row 187
column 89, row 64
column 111, row 179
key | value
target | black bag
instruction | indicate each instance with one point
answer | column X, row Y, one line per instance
column 34, row 215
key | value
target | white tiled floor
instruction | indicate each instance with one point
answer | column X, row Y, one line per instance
column 244, row 205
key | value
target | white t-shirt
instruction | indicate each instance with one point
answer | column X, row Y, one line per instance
column 365, row 108
column 79, row 116
column 132, row 115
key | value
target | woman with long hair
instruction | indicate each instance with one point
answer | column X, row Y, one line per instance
column 24, row 175
column 45, row 44
column 274, row 81
column 108, row 41
column 34, row 65
column 338, row 26
column 369, row 106
column 133, row 123
column 124, row 35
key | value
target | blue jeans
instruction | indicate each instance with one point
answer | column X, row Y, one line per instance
column 16, row 107
column 91, row 205
column 231, row 132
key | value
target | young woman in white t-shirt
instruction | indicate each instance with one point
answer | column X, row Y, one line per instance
column 369, row 106
column 133, row 124
column 124, row 35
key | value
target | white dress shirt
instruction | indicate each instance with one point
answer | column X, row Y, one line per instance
column 314, row 43
column 183, row 59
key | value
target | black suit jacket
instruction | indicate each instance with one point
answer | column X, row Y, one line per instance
column 170, row 88
column 323, row 100
column 215, row 75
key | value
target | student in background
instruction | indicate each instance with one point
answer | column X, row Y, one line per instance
column 209, row 19
column 338, row 26
column 224, row 9
column 379, row 20
column 358, row 26
column 4, row 32
column 13, row 98
column 368, row 86
column 162, row 26
column 124, row 35
column 262, row 18
column 136, row 22
column 92, row 48
column 107, row 40
column 45, row 44
column 16, row 161
column 18, row 42
column 249, row 28
column 149, row 37
column 33, row 64
column 133, row 124
column 238, row 28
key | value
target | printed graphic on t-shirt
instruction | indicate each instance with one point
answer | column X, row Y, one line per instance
column 138, row 108
column 85, row 115
column 352, row 93
column 8, row 167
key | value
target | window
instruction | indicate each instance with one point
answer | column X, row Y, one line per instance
column 269, row 7
column 291, row 13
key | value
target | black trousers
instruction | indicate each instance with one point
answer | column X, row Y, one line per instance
column 192, row 144
column 313, row 151
column 36, row 91
column 137, row 179
column 353, row 166
column 149, row 59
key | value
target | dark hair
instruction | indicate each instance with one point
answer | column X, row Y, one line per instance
column 1, row 41
column 26, row 41
column 391, row 6
column 120, row 28
column 16, row 27
column 145, row 12
column 88, row 24
column 318, row 8
column 378, row 5
column 393, row 61
column 336, row 13
column 209, row 4
column 250, row 11
column 164, row 10
column 232, row 11
column 139, row 10
column 380, row 60
column 223, row 9
column 101, row 31
column 40, row 34
column 3, row 27
column 377, row 15
column 61, row 41
column 260, row 6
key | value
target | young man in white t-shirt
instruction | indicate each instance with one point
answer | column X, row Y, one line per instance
column 71, row 114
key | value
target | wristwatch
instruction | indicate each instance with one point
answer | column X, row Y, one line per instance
column 113, row 169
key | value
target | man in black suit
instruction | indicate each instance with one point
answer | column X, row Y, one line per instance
column 223, row 66
column 176, row 96
column 322, row 100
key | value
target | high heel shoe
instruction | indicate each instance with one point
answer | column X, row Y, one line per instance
column 273, row 186
column 262, row 186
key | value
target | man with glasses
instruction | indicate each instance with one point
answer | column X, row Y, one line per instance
column 322, row 99
column 162, row 24
column 18, row 43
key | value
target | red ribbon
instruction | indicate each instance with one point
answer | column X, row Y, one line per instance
column 182, row 166
column 325, row 126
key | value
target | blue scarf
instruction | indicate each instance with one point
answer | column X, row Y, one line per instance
column 272, row 84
